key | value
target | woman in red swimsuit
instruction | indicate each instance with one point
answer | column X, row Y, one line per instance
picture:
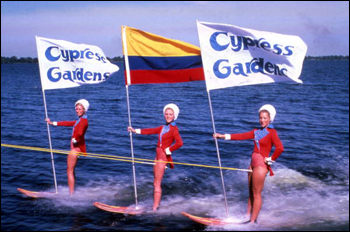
column 77, row 141
column 168, row 134
column 264, row 139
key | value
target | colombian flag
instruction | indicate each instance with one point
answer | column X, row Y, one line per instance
column 150, row 58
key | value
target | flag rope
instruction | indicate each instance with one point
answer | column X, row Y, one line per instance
column 117, row 158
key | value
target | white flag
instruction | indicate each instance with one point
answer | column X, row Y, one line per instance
column 235, row 56
column 64, row 64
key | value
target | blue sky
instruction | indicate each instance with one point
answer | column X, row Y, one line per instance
column 324, row 26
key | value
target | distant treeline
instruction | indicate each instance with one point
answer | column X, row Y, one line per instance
column 327, row 58
column 14, row 59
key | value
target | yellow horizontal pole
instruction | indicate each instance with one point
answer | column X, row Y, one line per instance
column 117, row 158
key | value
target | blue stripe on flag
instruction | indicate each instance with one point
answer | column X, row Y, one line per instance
column 164, row 63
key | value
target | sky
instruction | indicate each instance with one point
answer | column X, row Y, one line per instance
column 323, row 25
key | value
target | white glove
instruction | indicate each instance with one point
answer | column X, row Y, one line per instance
column 269, row 161
column 167, row 151
column 74, row 140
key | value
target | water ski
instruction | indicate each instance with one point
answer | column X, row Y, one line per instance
column 37, row 194
column 118, row 209
column 209, row 221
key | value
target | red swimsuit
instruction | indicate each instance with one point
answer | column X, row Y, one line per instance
column 166, row 140
column 78, row 132
column 262, row 146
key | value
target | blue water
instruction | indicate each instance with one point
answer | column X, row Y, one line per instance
column 310, row 189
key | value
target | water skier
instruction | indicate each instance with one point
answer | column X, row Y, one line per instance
column 77, row 141
column 264, row 139
column 168, row 134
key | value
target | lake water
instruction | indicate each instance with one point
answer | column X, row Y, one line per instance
column 310, row 189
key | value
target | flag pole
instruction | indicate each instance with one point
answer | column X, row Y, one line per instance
column 49, row 135
column 126, row 59
column 46, row 116
column 218, row 154
column 216, row 140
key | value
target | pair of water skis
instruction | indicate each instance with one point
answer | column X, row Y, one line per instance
column 137, row 211
column 131, row 210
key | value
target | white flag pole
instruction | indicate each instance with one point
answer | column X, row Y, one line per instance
column 128, row 104
column 218, row 154
column 50, row 144
column 213, row 122
column 46, row 116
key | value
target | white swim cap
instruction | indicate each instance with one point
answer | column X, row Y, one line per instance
column 270, row 109
column 85, row 104
column 174, row 108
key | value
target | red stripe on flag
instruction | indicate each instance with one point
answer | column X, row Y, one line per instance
column 165, row 76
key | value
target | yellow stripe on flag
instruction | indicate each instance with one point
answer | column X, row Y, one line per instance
column 141, row 43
